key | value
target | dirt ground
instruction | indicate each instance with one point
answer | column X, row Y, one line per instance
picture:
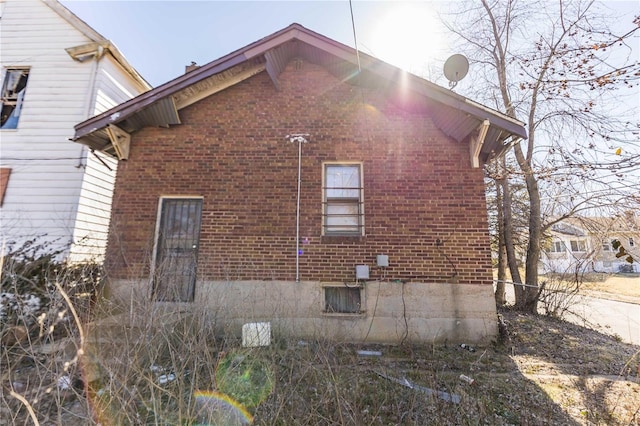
column 591, row 376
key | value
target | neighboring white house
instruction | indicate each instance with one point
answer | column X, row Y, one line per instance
column 595, row 244
column 55, row 72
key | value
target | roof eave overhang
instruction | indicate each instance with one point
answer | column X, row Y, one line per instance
column 461, row 120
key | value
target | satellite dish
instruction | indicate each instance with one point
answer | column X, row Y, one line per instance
column 455, row 69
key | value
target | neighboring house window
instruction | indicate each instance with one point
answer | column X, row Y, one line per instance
column 343, row 300
column 557, row 247
column 578, row 246
column 343, row 209
column 5, row 172
column 13, row 90
column 631, row 242
column 606, row 246
column 177, row 249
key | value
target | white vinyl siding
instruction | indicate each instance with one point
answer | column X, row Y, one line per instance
column 55, row 192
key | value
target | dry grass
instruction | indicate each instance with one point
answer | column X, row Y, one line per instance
column 547, row 372
column 160, row 364
column 623, row 287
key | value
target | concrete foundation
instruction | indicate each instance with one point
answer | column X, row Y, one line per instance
column 391, row 312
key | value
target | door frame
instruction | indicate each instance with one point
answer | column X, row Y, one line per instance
column 156, row 242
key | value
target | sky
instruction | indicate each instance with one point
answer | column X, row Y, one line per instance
column 160, row 37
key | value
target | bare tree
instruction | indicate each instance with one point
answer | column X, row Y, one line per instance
column 558, row 67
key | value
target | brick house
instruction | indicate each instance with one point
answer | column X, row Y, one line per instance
column 280, row 183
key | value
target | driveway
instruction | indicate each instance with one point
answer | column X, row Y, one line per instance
column 607, row 316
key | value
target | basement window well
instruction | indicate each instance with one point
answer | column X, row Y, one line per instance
column 343, row 299
column 14, row 86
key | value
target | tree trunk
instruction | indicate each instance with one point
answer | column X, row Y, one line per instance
column 533, row 248
column 502, row 255
column 509, row 238
column 528, row 300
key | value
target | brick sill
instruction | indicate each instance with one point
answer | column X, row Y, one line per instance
column 342, row 239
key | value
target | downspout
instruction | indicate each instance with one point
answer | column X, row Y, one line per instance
column 99, row 53
column 300, row 138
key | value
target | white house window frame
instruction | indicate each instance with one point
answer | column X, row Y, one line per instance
column 335, row 304
column 578, row 246
column 557, row 246
column 14, row 87
column 337, row 198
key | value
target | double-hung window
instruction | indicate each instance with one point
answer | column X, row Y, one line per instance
column 343, row 208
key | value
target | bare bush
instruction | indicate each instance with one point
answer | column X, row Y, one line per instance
column 179, row 364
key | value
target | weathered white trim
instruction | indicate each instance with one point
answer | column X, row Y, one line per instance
column 475, row 146
column 120, row 140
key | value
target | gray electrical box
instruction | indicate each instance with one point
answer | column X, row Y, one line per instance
column 383, row 260
column 362, row 272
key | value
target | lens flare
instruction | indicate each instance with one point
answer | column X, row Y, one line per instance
column 244, row 378
column 215, row 408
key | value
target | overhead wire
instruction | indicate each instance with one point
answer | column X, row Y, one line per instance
column 355, row 38
column 367, row 127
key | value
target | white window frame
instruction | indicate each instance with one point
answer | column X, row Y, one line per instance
column 328, row 200
column 558, row 246
column 580, row 246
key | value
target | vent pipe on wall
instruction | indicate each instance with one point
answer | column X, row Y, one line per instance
column 299, row 138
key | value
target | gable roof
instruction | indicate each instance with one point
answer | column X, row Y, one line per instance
column 457, row 116
column 97, row 39
column 625, row 223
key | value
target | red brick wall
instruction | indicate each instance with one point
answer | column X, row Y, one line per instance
column 419, row 187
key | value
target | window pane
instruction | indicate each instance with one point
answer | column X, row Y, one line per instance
column 578, row 246
column 342, row 216
column 343, row 181
column 557, row 247
column 342, row 300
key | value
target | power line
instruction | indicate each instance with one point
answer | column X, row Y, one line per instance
column 355, row 39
